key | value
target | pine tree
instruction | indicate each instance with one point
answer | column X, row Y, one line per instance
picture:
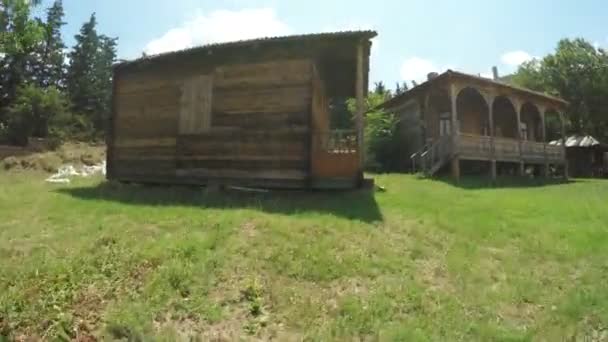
column 81, row 79
column 90, row 73
column 401, row 88
column 49, row 66
column 103, row 75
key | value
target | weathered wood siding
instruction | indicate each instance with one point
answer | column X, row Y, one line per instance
column 240, row 122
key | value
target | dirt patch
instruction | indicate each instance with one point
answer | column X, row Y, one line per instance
column 249, row 229
column 520, row 315
column 87, row 313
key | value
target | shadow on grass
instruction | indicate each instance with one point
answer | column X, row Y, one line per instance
column 354, row 205
column 480, row 182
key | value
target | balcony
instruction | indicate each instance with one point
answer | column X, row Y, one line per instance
column 475, row 147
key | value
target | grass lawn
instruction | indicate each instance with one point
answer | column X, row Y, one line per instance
column 425, row 260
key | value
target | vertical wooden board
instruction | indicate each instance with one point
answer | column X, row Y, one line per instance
column 195, row 105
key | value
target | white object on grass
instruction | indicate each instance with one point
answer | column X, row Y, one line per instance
column 65, row 172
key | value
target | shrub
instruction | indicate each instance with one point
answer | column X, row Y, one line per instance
column 32, row 111
column 381, row 138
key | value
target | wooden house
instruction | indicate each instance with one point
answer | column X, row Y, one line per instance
column 456, row 118
column 250, row 113
column 587, row 157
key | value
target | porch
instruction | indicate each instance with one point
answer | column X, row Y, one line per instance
column 457, row 117
column 486, row 148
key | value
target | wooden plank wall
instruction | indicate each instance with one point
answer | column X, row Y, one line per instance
column 258, row 128
column 145, row 122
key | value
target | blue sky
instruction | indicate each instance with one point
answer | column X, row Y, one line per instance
column 415, row 36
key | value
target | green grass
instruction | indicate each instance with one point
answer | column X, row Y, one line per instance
column 425, row 260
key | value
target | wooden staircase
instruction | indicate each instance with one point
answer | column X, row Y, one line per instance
column 433, row 156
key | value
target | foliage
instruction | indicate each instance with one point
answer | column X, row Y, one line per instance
column 110, row 261
column 32, row 111
column 32, row 58
column 578, row 72
column 19, row 37
column 90, row 73
column 401, row 88
column 49, row 67
column 381, row 136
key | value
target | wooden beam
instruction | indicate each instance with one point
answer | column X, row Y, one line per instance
column 518, row 105
column 360, row 94
column 566, row 171
column 455, row 132
column 544, row 137
column 111, row 129
column 493, row 172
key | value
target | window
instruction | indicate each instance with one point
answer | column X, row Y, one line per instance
column 445, row 124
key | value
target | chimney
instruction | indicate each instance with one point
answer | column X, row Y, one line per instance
column 495, row 73
column 432, row 75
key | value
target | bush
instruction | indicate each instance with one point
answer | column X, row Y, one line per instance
column 381, row 135
column 68, row 125
column 32, row 111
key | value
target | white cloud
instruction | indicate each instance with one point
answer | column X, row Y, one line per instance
column 487, row 75
column 417, row 69
column 516, row 58
column 220, row 26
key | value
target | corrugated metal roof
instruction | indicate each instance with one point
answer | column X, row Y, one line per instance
column 367, row 34
column 577, row 141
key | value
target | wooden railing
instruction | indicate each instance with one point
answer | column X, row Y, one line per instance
column 533, row 151
column 503, row 149
column 555, row 152
column 338, row 141
column 474, row 146
column 506, row 149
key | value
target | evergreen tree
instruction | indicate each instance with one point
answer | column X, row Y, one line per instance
column 103, row 76
column 49, row 67
column 90, row 73
column 380, row 89
column 81, row 78
column 401, row 88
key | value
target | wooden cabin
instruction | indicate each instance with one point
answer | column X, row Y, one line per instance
column 455, row 119
column 250, row 113
column 587, row 156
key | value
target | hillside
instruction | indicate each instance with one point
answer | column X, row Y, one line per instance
column 424, row 260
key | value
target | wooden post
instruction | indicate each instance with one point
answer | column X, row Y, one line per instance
column 455, row 133
column 111, row 129
column 360, row 94
column 519, row 138
column 493, row 173
column 544, row 137
column 566, row 166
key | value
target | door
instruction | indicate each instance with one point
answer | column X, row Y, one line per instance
column 445, row 124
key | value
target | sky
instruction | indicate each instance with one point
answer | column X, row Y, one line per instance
column 415, row 36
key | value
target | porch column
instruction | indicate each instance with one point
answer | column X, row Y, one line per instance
column 455, row 132
column 519, row 137
column 360, row 95
column 493, row 172
column 566, row 166
column 544, row 137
